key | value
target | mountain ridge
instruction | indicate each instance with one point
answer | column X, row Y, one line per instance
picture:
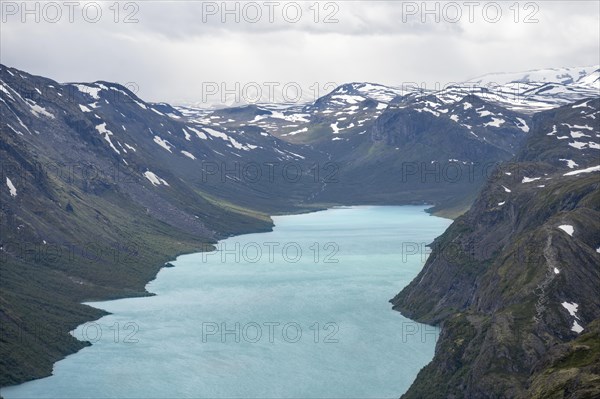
column 90, row 168
column 503, row 280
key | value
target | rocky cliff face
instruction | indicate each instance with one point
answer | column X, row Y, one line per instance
column 517, row 276
column 99, row 188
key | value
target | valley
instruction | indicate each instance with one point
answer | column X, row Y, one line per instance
column 101, row 188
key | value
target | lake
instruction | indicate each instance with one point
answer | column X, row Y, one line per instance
column 299, row 312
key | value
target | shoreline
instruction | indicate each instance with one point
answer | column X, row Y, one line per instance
column 168, row 264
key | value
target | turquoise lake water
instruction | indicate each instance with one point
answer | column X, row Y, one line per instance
column 300, row 312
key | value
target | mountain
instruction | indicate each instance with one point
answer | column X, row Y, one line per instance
column 563, row 75
column 538, row 90
column 99, row 188
column 398, row 146
column 514, row 281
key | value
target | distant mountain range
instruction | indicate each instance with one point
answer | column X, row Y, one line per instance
column 517, row 276
column 100, row 188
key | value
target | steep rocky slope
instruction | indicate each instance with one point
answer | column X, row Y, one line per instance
column 99, row 188
column 515, row 280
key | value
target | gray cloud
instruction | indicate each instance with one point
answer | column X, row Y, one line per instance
column 177, row 48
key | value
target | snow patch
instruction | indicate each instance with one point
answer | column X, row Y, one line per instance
column 586, row 170
column 348, row 98
column 496, row 122
column 89, row 90
column 523, row 125
column 106, row 134
column 155, row 180
column 335, row 128
column 571, row 308
column 567, row 228
column 570, row 163
column 578, row 144
column 188, row 154
column 200, row 134
column 163, row 143
column 303, row 130
column 582, row 105
column 216, row 133
column 576, row 327
column 37, row 111
column 11, row 187
column 141, row 105
column 578, row 135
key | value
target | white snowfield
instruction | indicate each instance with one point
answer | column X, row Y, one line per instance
column 572, row 309
column 335, row 128
column 106, row 134
column 559, row 75
column 38, row 110
column 232, row 142
column 199, row 133
column 188, row 154
column 11, row 187
column 570, row 163
column 567, row 228
column 496, row 122
column 89, row 90
column 523, row 125
column 293, row 133
column 154, row 179
column 586, row 170
column 163, row 143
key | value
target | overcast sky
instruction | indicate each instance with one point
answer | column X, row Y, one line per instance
column 182, row 51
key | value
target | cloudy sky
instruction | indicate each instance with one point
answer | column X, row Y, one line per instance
column 184, row 51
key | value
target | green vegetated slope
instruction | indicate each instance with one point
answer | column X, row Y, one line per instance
column 499, row 278
column 107, row 188
column 84, row 223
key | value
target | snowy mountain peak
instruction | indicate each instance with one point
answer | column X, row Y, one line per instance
column 565, row 75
